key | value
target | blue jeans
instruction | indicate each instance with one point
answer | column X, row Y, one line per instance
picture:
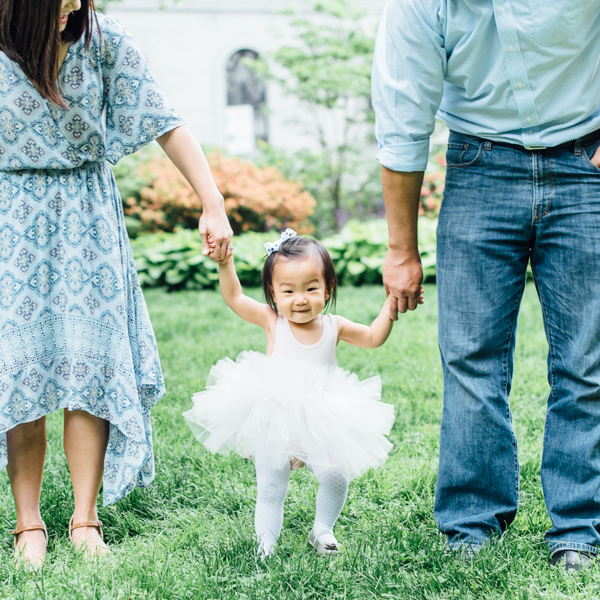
column 504, row 206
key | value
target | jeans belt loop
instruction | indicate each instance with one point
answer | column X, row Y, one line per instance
column 578, row 147
column 488, row 145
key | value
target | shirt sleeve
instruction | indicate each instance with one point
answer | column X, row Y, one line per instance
column 137, row 111
column 408, row 82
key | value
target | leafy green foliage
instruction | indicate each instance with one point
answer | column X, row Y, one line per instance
column 175, row 260
column 328, row 66
column 359, row 250
column 331, row 63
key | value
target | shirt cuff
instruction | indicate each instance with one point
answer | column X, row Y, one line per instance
column 412, row 156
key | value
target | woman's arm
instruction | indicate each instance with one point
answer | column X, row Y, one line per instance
column 248, row 309
column 183, row 149
column 369, row 337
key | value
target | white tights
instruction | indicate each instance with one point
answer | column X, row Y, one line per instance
column 272, row 487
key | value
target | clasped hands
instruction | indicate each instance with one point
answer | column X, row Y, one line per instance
column 216, row 234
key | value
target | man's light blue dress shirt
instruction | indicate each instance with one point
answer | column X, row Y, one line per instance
column 521, row 71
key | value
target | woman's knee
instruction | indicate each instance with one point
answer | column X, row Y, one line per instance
column 28, row 432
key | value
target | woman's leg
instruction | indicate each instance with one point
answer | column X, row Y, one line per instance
column 272, row 487
column 26, row 453
column 331, row 497
column 86, row 438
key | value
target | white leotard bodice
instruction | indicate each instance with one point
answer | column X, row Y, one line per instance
column 319, row 354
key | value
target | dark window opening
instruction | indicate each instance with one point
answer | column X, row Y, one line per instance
column 244, row 86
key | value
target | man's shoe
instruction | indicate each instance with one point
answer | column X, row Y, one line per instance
column 572, row 560
column 464, row 553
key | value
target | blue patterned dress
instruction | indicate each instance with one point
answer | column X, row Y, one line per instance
column 74, row 328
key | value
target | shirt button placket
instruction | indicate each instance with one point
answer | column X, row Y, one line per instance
column 516, row 69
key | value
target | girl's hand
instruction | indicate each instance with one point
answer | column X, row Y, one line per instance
column 211, row 246
column 215, row 225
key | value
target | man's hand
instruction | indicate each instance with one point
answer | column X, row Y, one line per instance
column 402, row 271
column 402, row 278
column 596, row 158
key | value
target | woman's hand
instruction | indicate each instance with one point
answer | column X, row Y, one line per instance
column 216, row 234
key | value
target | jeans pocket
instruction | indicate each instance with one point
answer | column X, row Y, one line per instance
column 463, row 155
column 588, row 152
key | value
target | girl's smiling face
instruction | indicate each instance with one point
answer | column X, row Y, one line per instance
column 66, row 8
column 299, row 288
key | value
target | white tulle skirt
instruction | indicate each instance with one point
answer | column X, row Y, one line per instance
column 325, row 417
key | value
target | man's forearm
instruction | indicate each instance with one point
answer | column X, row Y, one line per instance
column 402, row 272
column 401, row 193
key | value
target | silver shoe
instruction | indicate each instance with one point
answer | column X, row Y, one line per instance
column 322, row 549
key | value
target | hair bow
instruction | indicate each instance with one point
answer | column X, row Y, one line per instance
column 288, row 234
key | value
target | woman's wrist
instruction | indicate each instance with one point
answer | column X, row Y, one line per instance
column 213, row 202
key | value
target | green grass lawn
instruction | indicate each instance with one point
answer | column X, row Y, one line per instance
column 191, row 535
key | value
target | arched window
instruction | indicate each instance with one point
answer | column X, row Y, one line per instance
column 245, row 87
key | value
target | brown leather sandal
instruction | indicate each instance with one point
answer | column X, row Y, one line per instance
column 20, row 530
column 96, row 524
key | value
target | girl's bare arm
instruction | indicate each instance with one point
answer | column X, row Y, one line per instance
column 247, row 308
column 368, row 337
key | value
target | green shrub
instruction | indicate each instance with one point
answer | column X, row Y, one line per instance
column 175, row 260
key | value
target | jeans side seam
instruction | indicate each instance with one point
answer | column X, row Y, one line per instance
column 550, row 342
column 505, row 369
column 550, row 368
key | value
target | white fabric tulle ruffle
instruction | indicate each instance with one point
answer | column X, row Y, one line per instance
column 325, row 417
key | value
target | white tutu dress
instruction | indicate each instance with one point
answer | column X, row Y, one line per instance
column 299, row 403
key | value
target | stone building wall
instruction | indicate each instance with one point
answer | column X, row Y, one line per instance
column 189, row 45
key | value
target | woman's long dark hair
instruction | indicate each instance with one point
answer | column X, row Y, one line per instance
column 30, row 36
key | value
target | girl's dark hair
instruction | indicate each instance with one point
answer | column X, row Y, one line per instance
column 30, row 36
column 300, row 247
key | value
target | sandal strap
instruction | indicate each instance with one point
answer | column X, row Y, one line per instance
column 20, row 530
column 97, row 524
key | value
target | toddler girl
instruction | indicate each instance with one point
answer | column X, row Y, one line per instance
column 294, row 405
